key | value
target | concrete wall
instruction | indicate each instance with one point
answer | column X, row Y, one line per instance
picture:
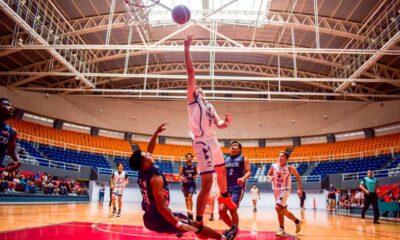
column 85, row 172
column 177, row 201
column 250, row 120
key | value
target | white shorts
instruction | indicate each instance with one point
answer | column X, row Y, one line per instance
column 118, row 191
column 208, row 153
column 281, row 197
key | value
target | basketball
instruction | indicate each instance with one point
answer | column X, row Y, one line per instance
column 180, row 14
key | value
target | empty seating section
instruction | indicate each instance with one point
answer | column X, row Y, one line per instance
column 72, row 156
column 165, row 166
column 102, row 146
column 30, row 149
column 77, row 140
column 346, row 147
column 396, row 162
column 351, row 166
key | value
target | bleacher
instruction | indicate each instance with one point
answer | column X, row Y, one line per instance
column 351, row 166
column 72, row 156
column 83, row 149
column 352, row 148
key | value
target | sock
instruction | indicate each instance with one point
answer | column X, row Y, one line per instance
column 225, row 194
column 282, row 227
column 296, row 221
column 212, row 215
column 115, row 209
column 199, row 218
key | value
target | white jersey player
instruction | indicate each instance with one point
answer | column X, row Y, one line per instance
column 202, row 118
column 119, row 181
column 280, row 175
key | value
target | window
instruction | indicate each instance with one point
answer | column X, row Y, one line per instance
column 112, row 134
column 38, row 119
column 248, row 13
column 349, row 135
column 76, row 128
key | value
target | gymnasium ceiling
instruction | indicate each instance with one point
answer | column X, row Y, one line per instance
column 248, row 50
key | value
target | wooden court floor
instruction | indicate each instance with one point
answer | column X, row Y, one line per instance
column 317, row 224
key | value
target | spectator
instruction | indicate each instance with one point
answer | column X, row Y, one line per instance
column 102, row 191
column 3, row 183
column 11, row 183
column 63, row 188
column 332, row 198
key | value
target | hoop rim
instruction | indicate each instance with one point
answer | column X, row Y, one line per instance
column 154, row 2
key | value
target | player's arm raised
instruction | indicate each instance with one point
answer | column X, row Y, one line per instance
column 152, row 143
column 156, row 183
column 191, row 86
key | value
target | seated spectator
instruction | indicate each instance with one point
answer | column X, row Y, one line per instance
column 11, row 183
column 28, row 184
column 48, row 187
column 3, row 183
column 63, row 189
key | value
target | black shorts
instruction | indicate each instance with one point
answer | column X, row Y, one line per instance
column 157, row 223
column 188, row 188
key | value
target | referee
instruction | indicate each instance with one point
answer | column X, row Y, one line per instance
column 369, row 185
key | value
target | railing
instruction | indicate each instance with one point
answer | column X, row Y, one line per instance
column 313, row 178
column 108, row 171
column 332, row 157
column 49, row 163
column 378, row 173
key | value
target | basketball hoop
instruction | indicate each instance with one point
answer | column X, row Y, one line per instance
column 138, row 11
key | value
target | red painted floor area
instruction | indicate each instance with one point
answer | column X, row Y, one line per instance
column 105, row 231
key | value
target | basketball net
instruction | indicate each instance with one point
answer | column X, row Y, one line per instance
column 138, row 11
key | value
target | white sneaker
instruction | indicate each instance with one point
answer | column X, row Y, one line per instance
column 280, row 232
column 298, row 226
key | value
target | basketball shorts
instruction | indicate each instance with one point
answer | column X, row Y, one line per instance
column 157, row 223
column 236, row 194
column 118, row 191
column 188, row 188
column 332, row 203
column 208, row 153
column 281, row 197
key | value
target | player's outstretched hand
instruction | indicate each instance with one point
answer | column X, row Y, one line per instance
column 188, row 41
column 161, row 128
column 228, row 118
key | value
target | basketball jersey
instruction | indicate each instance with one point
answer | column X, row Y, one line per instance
column 119, row 179
column 201, row 118
column 189, row 172
column 148, row 202
column 283, row 177
column 234, row 169
column 6, row 135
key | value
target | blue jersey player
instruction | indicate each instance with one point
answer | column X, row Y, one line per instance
column 155, row 192
column 8, row 137
column 188, row 173
column 237, row 172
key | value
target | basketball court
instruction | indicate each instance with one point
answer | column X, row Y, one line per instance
column 83, row 221
column 91, row 79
